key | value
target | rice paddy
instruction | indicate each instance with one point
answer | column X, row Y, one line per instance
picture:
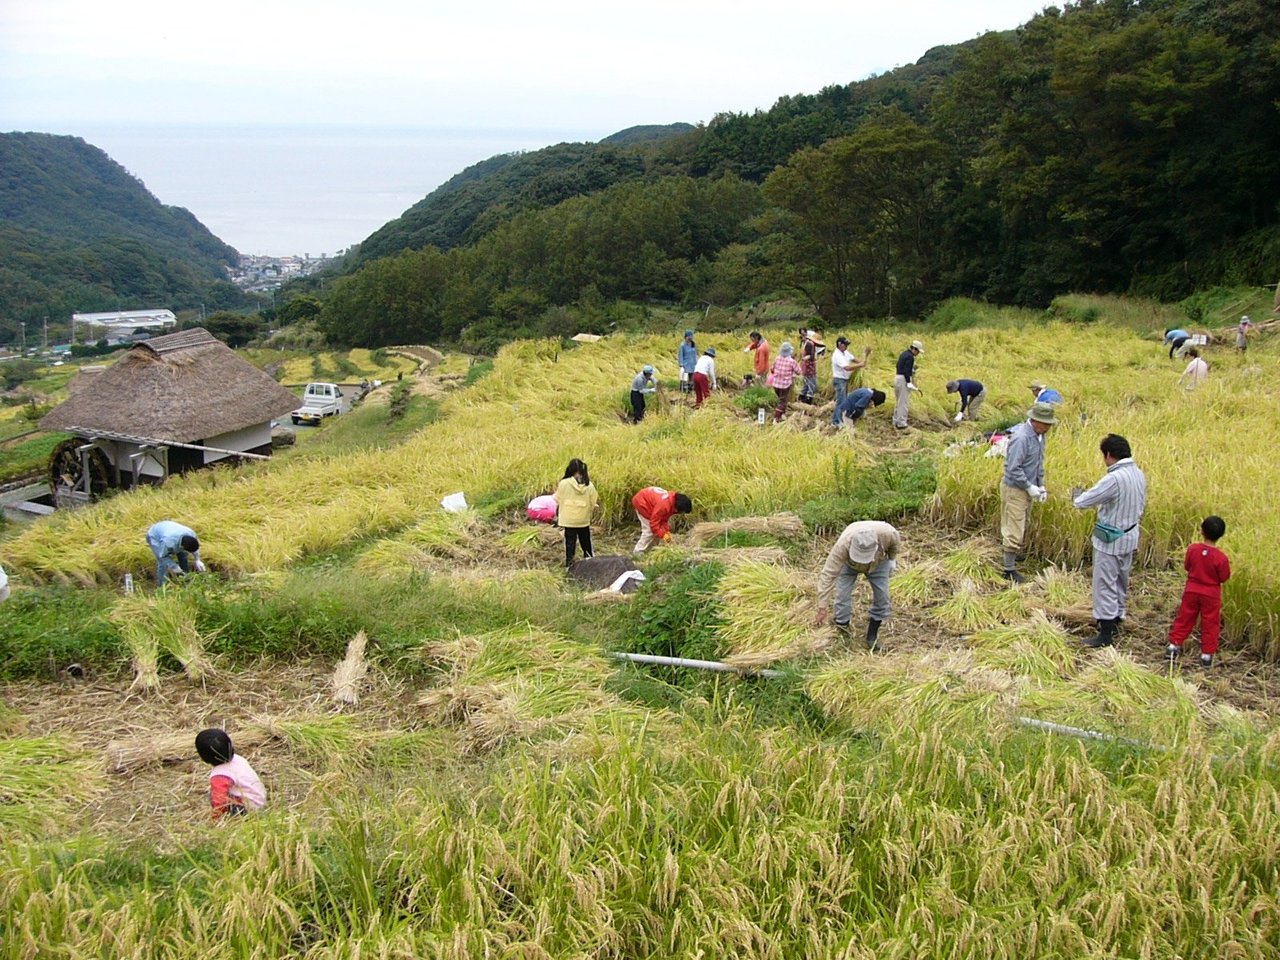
column 456, row 769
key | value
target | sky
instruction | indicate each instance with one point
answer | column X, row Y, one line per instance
column 589, row 68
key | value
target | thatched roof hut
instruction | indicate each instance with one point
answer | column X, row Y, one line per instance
column 184, row 387
column 172, row 403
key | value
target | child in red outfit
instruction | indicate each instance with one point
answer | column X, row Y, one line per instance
column 1207, row 570
column 654, row 508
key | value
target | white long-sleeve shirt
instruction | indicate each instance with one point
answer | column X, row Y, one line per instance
column 707, row 367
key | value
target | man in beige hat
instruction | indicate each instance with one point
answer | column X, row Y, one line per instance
column 867, row 547
column 1023, row 483
column 903, row 386
column 810, row 343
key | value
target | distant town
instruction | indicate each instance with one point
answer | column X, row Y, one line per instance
column 264, row 274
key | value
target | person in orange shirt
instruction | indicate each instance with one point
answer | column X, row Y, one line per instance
column 760, row 347
column 655, row 507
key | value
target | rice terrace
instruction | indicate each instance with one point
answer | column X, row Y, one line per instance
column 457, row 766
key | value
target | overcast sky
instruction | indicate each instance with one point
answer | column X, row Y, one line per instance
column 564, row 64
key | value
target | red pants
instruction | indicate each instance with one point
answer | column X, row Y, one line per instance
column 1209, row 609
column 701, row 388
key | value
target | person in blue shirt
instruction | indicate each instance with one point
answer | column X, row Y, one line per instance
column 972, row 394
column 1176, row 339
column 856, row 402
column 175, row 547
column 688, row 357
column 1044, row 394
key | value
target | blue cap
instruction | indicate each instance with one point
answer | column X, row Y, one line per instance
column 688, row 333
column 711, row 351
column 648, row 368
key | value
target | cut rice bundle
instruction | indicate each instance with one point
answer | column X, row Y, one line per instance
column 350, row 670
column 786, row 525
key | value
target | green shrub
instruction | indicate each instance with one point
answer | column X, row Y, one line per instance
column 888, row 492
column 671, row 615
column 477, row 370
column 46, row 629
column 755, row 397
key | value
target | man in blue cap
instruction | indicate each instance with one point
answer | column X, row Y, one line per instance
column 641, row 387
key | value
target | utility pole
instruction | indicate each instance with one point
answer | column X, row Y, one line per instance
column 46, row 333
column 22, row 326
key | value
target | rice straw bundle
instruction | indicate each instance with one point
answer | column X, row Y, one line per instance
column 350, row 670
column 920, row 583
column 40, row 777
column 786, row 525
column 138, row 753
column 973, row 561
column 771, row 555
column 1037, row 648
column 162, row 621
column 767, row 615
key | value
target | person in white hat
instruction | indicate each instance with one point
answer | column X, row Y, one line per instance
column 867, row 547
column 1242, row 333
column 903, row 386
column 704, row 376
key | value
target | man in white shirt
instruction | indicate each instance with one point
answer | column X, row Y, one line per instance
column 843, row 364
column 704, row 376
column 1196, row 372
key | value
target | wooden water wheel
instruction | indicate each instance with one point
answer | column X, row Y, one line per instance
column 67, row 469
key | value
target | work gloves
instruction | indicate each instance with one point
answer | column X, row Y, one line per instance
column 1038, row 494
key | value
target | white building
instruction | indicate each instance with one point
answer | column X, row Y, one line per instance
column 122, row 321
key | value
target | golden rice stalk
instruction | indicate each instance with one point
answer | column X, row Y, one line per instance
column 392, row 559
column 1037, row 648
column 131, row 617
column 768, row 615
column 894, row 695
column 786, row 525
column 973, row 561
column 40, row 778
column 771, row 555
column 922, row 582
column 1059, row 589
column 518, row 683
column 164, row 621
column 523, row 539
column 329, row 737
column 967, row 610
column 350, row 670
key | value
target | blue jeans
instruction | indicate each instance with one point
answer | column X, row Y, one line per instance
column 842, row 390
column 878, row 577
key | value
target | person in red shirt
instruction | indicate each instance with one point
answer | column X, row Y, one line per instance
column 1207, row 570
column 655, row 507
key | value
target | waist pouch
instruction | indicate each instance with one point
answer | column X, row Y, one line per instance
column 1109, row 534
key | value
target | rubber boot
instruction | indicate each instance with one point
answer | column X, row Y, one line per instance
column 1106, row 635
column 1009, row 571
column 873, row 635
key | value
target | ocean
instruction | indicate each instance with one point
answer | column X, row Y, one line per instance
column 282, row 191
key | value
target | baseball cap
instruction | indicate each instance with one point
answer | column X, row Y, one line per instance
column 864, row 546
column 648, row 368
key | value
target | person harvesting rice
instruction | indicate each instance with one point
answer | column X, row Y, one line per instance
column 576, row 501
column 867, row 547
column 903, row 385
column 972, row 394
column 783, row 377
column 704, row 377
column 176, row 548
column 760, row 347
column 654, row 508
column 641, row 386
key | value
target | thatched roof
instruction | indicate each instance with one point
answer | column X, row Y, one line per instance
column 184, row 387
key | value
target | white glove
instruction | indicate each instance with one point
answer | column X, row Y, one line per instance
column 913, row 388
column 200, row 568
column 959, row 416
column 1037, row 493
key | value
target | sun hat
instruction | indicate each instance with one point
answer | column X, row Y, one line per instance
column 953, row 386
column 786, row 349
column 710, row 351
column 1042, row 413
column 1037, row 385
column 648, row 368
column 864, row 546
column 917, row 346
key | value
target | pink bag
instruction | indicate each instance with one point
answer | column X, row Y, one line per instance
column 542, row 509
column 768, row 381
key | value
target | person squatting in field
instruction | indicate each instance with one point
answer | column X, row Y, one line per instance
column 576, row 502
column 1022, row 484
column 855, row 405
column 972, row 394
column 1120, row 498
column 869, row 548
column 654, row 509
column 234, row 787
column 1207, row 570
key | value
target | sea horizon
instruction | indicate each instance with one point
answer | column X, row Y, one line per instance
column 302, row 189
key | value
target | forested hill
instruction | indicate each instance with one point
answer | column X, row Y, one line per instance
column 485, row 194
column 79, row 233
column 1108, row 146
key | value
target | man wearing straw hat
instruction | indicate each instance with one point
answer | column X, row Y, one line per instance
column 1023, row 483
column 902, row 385
column 867, row 547
column 1121, row 499
column 809, row 345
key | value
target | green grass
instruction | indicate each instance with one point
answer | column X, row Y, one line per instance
column 28, row 457
column 892, row 490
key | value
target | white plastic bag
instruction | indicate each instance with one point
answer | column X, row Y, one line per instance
column 454, row 502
